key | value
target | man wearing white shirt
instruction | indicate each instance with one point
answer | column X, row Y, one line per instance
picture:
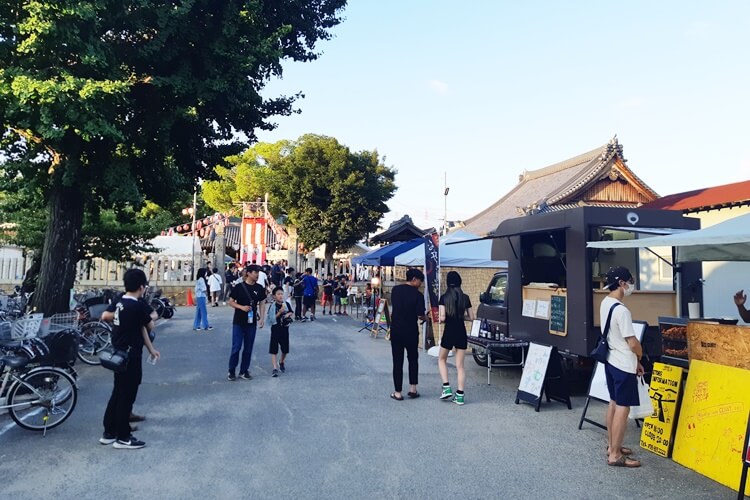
column 623, row 365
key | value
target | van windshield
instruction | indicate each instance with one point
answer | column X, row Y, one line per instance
column 496, row 290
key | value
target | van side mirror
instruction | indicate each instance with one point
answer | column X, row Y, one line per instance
column 483, row 297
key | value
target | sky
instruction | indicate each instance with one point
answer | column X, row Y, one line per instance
column 480, row 91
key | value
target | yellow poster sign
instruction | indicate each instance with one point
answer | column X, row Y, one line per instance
column 713, row 418
column 664, row 391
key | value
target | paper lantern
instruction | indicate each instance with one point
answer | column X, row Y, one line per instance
column 186, row 227
column 163, row 233
column 199, row 224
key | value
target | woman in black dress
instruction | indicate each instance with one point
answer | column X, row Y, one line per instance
column 455, row 309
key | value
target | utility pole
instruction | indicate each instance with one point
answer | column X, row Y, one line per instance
column 445, row 207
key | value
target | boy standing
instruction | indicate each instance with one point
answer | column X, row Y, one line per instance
column 279, row 317
column 327, row 294
column 132, row 319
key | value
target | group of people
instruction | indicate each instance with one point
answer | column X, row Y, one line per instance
column 408, row 308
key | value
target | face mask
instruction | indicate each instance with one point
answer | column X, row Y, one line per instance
column 628, row 290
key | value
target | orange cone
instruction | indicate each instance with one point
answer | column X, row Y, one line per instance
column 190, row 298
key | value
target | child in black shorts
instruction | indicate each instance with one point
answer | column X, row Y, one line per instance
column 279, row 316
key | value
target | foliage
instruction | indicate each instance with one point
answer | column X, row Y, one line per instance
column 107, row 103
column 333, row 195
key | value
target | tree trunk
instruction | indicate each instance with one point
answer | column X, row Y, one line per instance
column 32, row 275
column 329, row 259
column 61, row 250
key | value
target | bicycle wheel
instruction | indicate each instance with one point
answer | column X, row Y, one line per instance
column 95, row 336
column 42, row 398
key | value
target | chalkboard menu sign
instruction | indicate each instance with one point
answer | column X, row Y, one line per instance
column 558, row 320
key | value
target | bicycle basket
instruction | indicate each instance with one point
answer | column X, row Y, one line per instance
column 27, row 327
column 6, row 329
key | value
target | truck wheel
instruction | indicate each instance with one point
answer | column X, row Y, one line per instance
column 480, row 358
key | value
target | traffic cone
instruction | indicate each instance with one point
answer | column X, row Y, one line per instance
column 190, row 298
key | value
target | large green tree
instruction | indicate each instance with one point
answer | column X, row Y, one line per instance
column 334, row 196
column 111, row 102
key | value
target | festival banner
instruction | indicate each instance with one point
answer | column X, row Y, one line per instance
column 432, row 282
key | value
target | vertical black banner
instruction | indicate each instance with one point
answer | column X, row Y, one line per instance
column 432, row 283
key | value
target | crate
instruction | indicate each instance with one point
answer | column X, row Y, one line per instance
column 58, row 322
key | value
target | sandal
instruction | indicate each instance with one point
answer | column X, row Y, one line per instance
column 624, row 450
column 413, row 395
column 397, row 398
column 624, row 461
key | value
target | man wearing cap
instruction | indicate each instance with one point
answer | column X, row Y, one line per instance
column 623, row 365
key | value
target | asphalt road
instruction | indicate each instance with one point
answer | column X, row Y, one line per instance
column 324, row 429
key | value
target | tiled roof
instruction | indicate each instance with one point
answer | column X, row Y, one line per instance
column 400, row 230
column 703, row 199
column 565, row 206
column 231, row 238
column 541, row 189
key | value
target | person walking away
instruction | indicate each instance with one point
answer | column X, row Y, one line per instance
column 262, row 277
column 299, row 291
column 455, row 309
column 249, row 302
column 277, row 275
column 279, row 316
column 623, row 365
column 309, row 295
column 288, row 284
column 408, row 307
column 201, row 298
column 327, row 294
column 133, row 319
column 229, row 276
column 214, row 285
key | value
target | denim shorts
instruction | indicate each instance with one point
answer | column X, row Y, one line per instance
column 623, row 386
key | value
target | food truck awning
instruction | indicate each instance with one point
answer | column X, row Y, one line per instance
column 726, row 241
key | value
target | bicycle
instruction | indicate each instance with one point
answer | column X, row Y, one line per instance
column 39, row 398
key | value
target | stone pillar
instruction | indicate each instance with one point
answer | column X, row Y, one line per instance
column 293, row 251
column 219, row 248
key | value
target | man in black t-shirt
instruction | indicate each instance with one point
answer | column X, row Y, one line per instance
column 248, row 299
column 328, row 284
column 407, row 307
column 133, row 319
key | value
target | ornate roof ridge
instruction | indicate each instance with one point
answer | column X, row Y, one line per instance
column 608, row 152
column 563, row 165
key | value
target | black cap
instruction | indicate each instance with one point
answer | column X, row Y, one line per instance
column 453, row 279
column 615, row 274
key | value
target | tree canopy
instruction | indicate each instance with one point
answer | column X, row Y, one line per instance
column 107, row 103
column 332, row 195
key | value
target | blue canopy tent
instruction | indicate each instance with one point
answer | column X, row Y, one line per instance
column 386, row 255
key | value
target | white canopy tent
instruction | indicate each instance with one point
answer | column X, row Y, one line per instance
column 176, row 245
column 471, row 254
column 726, row 241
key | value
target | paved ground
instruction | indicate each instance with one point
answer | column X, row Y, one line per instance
column 325, row 429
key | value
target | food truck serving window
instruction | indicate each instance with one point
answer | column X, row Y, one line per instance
column 543, row 258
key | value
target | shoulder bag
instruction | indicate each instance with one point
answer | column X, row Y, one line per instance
column 114, row 359
column 601, row 350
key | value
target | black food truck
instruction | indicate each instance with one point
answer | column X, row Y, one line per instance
column 553, row 287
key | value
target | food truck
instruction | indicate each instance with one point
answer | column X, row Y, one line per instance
column 553, row 287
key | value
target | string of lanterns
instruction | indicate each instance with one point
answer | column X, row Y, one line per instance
column 203, row 226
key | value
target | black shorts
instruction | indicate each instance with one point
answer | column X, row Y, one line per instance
column 279, row 337
column 454, row 339
column 308, row 300
column 623, row 386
